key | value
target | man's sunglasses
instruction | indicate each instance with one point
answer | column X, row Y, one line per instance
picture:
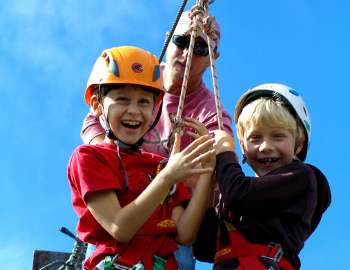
column 184, row 43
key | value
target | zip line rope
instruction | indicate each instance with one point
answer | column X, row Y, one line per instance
column 201, row 20
column 209, row 30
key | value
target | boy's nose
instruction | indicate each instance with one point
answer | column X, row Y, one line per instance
column 266, row 146
column 133, row 108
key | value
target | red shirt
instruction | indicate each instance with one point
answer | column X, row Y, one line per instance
column 97, row 167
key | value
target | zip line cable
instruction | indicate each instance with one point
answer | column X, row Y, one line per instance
column 177, row 18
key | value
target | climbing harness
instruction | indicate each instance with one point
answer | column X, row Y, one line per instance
column 140, row 248
column 201, row 20
column 248, row 253
column 116, row 263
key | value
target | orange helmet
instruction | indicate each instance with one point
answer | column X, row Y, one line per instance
column 126, row 65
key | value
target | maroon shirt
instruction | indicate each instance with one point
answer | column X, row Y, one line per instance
column 284, row 206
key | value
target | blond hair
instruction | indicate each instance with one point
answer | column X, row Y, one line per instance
column 272, row 112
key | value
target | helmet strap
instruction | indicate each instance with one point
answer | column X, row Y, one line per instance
column 119, row 143
column 244, row 161
column 126, row 187
column 295, row 157
column 156, row 120
column 134, row 147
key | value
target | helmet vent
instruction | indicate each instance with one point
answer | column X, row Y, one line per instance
column 295, row 93
column 112, row 66
column 305, row 111
column 307, row 125
column 156, row 73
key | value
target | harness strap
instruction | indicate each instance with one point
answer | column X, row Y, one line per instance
column 171, row 262
column 248, row 253
column 140, row 247
column 136, row 253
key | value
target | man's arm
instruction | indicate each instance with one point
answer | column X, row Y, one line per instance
column 92, row 132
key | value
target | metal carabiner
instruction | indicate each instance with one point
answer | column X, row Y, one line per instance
column 118, row 266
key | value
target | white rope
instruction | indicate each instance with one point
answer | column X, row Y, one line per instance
column 200, row 21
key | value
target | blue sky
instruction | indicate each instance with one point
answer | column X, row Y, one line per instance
column 48, row 49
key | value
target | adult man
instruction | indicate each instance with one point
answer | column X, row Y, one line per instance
column 199, row 104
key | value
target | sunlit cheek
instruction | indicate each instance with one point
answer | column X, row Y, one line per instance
column 148, row 115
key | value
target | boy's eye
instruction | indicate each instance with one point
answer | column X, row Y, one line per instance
column 122, row 99
column 145, row 101
column 278, row 136
column 254, row 138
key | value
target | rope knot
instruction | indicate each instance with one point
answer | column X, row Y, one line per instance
column 209, row 27
column 196, row 26
column 178, row 127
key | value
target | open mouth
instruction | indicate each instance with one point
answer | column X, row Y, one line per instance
column 268, row 161
column 131, row 124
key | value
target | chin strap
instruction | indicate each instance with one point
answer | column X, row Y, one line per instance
column 295, row 158
column 120, row 145
column 244, row 160
column 126, row 187
column 134, row 147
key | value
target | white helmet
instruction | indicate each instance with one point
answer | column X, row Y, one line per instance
column 293, row 98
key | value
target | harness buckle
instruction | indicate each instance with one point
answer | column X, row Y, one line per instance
column 275, row 253
column 118, row 266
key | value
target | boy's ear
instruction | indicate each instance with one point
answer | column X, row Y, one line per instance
column 300, row 147
column 241, row 144
column 95, row 105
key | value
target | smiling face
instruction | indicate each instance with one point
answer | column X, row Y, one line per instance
column 267, row 134
column 129, row 111
column 267, row 148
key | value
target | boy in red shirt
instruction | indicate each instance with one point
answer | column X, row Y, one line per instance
column 134, row 211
